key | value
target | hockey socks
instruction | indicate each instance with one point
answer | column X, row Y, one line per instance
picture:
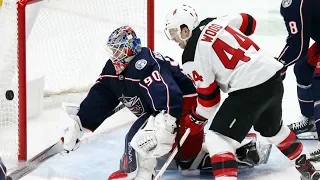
column 291, row 147
column 224, row 166
column 305, row 100
column 287, row 142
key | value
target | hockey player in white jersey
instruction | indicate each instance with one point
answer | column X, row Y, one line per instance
column 219, row 55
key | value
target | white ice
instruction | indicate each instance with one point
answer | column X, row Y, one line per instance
column 99, row 155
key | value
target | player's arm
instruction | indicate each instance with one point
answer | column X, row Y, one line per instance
column 206, row 86
column 97, row 106
column 297, row 21
column 94, row 109
column 243, row 21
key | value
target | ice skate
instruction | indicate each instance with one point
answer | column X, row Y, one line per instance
column 304, row 129
column 315, row 156
column 308, row 172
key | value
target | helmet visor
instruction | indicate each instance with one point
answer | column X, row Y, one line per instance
column 117, row 52
column 172, row 34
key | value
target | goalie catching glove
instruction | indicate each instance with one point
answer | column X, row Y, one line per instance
column 157, row 137
column 73, row 131
column 195, row 122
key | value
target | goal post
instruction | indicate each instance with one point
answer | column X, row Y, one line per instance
column 64, row 43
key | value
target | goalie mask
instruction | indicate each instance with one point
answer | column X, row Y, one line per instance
column 184, row 16
column 123, row 44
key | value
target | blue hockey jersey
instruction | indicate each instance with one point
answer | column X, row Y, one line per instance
column 301, row 18
column 151, row 83
column 3, row 171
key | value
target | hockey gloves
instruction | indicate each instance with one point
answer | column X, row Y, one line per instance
column 72, row 134
column 157, row 137
column 195, row 122
column 283, row 70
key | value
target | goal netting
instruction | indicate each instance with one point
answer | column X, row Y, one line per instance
column 63, row 42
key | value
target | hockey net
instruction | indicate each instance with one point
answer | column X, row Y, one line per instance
column 63, row 40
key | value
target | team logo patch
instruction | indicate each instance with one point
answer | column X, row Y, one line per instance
column 134, row 104
column 140, row 64
column 286, row 3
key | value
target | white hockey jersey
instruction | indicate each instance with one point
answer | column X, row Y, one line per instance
column 219, row 56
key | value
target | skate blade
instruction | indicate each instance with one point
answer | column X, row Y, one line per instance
column 265, row 151
column 308, row 136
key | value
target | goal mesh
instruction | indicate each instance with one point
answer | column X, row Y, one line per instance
column 65, row 42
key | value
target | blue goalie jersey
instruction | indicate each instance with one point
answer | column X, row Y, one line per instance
column 151, row 83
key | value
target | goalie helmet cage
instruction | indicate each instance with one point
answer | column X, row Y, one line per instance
column 56, row 20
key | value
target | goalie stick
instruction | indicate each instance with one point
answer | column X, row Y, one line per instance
column 172, row 155
column 33, row 163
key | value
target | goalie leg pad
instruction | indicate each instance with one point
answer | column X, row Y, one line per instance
column 129, row 161
column 146, row 168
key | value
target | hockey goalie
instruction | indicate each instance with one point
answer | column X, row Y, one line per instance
column 163, row 98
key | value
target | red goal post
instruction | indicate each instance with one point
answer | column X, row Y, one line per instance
column 64, row 41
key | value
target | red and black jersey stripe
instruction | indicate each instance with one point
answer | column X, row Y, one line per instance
column 209, row 96
column 248, row 25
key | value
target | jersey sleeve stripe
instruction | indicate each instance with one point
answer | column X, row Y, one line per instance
column 209, row 96
column 209, row 102
column 248, row 24
column 208, row 90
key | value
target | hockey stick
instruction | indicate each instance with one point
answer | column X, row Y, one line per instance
column 172, row 155
column 33, row 163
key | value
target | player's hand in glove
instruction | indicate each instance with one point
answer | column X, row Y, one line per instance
column 283, row 70
column 73, row 131
column 157, row 137
column 195, row 122
column 72, row 134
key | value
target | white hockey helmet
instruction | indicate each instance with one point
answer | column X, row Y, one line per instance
column 184, row 15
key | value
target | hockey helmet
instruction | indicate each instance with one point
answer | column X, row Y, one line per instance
column 184, row 15
column 122, row 45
